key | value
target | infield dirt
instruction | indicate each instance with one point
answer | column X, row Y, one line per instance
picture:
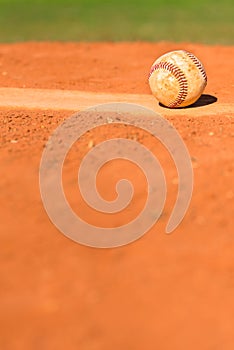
column 160, row 292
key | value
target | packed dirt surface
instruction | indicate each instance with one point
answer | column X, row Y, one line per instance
column 160, row 292
column 111, row 67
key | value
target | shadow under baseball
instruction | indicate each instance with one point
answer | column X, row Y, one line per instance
column 203, row 100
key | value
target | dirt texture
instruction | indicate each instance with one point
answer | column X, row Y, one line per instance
column 160, row 292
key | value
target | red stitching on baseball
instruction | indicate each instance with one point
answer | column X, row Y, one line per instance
column 179, row 75
column 198, row 64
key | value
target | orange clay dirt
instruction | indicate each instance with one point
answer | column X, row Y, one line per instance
column 161, row 292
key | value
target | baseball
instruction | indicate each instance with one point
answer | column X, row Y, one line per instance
column 177, row 79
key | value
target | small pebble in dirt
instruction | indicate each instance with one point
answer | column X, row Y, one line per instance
column 109, row 120
column 194, row 162
column 211, row 133
column 90, row 144
column 14, row 141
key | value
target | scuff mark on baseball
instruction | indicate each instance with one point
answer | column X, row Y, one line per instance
column 177, row 79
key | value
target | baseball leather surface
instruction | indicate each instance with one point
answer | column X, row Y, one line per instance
column 177, row 79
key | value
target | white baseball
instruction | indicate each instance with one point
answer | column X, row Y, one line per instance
column 177, row 79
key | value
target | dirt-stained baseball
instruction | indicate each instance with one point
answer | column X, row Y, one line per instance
column 177, row 79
